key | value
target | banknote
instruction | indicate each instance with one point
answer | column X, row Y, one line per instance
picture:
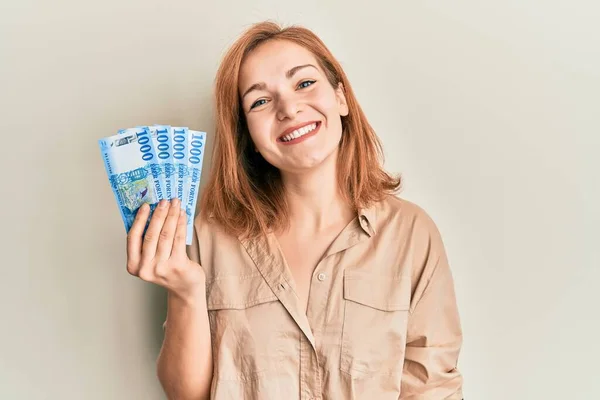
column 165, row 153
column 180, row 148
column 195, row 155
column 130, row 160
column 150, row 148
column 162, row 141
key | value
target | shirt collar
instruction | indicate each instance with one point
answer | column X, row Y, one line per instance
column 367, row 218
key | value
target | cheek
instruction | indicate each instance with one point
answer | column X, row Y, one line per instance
column 325, row 102
column 259, row 128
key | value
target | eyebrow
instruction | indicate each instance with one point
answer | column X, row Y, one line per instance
column 289, row 74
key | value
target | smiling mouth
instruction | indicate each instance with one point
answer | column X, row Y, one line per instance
column 299, row 133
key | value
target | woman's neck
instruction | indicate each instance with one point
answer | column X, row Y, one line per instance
column 315, row 202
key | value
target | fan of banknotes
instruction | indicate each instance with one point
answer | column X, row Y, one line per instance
column 146, row 164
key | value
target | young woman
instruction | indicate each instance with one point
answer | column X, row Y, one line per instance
column 308, row 277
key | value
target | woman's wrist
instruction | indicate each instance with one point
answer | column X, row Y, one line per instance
column 193, row 298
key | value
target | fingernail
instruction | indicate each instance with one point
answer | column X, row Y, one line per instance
column 162, row 203
column 144, row 207
column 181, row 212
column 176, row 201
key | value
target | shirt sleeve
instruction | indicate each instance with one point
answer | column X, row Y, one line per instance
column 434, row 335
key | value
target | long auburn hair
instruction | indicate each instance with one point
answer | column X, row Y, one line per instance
column 245, row 194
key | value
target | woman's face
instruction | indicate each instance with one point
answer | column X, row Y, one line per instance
column 293, row 112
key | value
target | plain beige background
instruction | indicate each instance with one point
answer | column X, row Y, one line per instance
column 489, row 109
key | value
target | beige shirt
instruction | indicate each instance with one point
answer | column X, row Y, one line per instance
column 381, row 322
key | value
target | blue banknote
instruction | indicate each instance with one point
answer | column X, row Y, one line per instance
column 130, row 164
column 150, row 147
column 164, row 151
column 180, row 149
column 162, row 142
column 195, row 155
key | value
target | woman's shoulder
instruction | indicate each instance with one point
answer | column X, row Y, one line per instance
column 208, row 229
column 209, row 237
column 393, row 203
column 395, row 212
column 409, row 230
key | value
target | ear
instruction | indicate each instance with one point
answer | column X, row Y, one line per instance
column 341, row 99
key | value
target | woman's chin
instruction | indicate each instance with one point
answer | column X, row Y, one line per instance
column 310, row 163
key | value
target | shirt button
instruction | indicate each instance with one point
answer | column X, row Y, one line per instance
column 321, row 277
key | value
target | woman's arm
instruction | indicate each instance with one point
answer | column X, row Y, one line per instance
column 434, row 339
column 184, row 365
column 159, row 256
column 434, row 335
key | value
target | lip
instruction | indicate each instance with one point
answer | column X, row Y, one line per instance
column 293, row 128
column 301, row 138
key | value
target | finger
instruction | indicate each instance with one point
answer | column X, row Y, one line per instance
column 179, row 241
column 134, row 239
column 153, row 232
column 165, row 240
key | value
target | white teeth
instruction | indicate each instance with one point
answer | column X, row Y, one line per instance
column 299, row 132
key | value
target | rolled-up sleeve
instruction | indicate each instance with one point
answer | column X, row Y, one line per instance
column 434, row 334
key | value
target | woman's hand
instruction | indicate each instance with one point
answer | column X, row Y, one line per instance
column 159, row 256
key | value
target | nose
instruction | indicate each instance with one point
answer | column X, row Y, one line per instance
column 287, row 107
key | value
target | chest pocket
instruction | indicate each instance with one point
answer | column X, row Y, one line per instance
column 243, row 313
column 375, row 320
